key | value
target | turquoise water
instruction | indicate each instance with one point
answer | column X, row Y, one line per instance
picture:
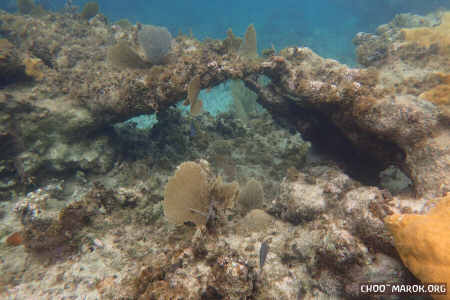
column 326, row 26
column 236, row 196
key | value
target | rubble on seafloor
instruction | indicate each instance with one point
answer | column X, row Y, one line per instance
column 99, row 231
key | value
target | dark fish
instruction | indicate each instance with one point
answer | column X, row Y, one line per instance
column 193, row 131
column 263, row 254
column 211, row 218
column 68, row 6
column 301, row 291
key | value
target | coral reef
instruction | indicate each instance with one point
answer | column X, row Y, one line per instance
column 323, row 230
column 326, row 255
column 427, row 36
column 226, row 274
column 373, row 48
column 48, row 231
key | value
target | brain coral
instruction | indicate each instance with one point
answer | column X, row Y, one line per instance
column 423, row 242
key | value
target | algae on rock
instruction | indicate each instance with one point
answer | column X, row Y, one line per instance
column 11, row 67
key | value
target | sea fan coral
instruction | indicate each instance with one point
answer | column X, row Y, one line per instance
column 156, row 42
column 252, row 196
column 193, row 190
column 122, row 56
column 186, row 194
column 249, row 46
column 90, row 9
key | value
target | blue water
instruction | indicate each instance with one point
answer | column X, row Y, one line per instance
column 326, row 26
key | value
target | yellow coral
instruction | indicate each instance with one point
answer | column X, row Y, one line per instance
column 426, row 36
column 423, row 242
column 440, row 94
column 33, row 68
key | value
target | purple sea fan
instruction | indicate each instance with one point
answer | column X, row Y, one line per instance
column 156, row 42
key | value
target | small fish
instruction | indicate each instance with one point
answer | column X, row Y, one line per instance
column 193, row 130
column 68, row 6
column 263, row 254
column 301, row 291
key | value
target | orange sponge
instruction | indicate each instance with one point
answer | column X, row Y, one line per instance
column 423, row 242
